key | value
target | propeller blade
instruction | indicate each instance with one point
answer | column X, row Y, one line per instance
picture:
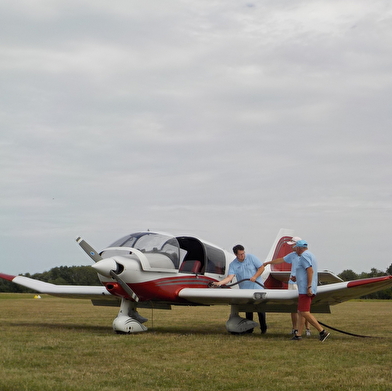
column 124, row 286
column 89, row 250
column 96, row 258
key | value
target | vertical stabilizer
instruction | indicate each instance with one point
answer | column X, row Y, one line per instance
column 279, row 249
column 279, row 246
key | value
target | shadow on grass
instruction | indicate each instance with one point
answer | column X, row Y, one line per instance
column 108, row 329
column 218, row 331
column 221, row 331
column 336, row 334
column 59, row 326
column 151, row 330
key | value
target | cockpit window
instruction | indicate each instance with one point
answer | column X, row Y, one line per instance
column 152, row 242
column 216, row 260
column 126, row 241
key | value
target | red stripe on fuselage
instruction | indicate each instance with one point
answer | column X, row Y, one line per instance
column 166, row 289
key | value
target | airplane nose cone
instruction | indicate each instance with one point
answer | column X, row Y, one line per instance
column 105, row 266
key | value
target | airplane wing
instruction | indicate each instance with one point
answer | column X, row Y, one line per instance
column 283, row 300
column 347, row 290
column 324, row 276
column 71, row 291
column 250, row 300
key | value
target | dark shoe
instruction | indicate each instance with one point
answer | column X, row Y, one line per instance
column 324, row 335
column 264, row 329
column 296, row 338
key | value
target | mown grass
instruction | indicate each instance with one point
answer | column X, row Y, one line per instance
column 62, row 344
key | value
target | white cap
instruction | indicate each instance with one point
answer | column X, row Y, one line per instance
column 293, row 240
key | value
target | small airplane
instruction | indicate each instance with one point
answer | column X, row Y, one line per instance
column 158, row 270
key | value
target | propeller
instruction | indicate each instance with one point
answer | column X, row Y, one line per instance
column 119, row 268
column 89, row 250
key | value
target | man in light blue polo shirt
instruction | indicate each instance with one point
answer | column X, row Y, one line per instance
column 307, row 279
column 292, row 258
column 250, row 268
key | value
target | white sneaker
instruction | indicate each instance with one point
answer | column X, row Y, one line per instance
column 308, row 333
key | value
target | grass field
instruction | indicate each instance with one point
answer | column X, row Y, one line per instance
column 62, row 344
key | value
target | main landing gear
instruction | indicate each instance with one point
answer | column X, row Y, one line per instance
column 237, row 325
column 128, row 320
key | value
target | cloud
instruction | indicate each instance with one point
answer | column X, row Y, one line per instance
column 225, row 119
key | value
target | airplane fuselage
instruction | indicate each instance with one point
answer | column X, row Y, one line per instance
column 157, row 266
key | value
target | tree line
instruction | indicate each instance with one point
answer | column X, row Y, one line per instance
column 386, row 294
column 85, row 275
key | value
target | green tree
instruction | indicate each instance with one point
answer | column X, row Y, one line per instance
column 385, row 294
column 373, row 273
column 348, row 275
column 73, row 275
column 8, row 286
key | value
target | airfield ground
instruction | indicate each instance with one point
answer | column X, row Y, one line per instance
column 62, row 344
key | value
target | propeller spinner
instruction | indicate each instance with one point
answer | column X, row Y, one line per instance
column 106, row 266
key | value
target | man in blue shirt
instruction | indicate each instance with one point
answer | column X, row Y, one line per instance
column 307, row 279
column 250, row 268
column 291, row 258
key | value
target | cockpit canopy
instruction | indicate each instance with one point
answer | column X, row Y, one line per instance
column 152, row 242
column 177, row 249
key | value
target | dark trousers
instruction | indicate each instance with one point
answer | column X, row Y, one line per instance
column 262, row 321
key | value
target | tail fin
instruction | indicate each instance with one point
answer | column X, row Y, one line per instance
column 279, row 249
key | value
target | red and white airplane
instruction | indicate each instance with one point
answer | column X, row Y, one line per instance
column 157, row 270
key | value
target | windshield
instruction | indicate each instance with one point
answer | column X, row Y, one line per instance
column 152, row 242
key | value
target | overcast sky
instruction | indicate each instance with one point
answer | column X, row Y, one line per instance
column 223, row 119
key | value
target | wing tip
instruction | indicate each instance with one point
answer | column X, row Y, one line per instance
column 366, row 281
column 7, row 277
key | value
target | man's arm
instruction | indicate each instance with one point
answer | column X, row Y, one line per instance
column 273, row 262
column 258, row 273
column 225, row 280
column 309, row 273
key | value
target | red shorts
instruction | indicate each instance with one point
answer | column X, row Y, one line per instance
column 304, row 302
